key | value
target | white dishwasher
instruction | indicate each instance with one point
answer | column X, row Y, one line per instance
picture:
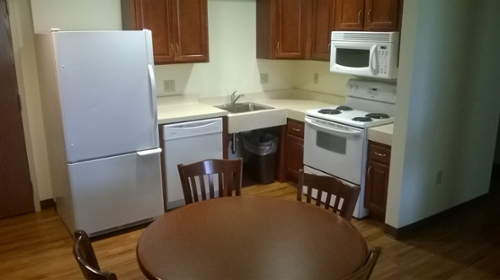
column 185, row 143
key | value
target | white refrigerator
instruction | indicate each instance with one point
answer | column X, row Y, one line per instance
column 99, row 107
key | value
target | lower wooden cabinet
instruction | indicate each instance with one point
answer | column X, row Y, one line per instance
column 294, row 149
column 377, row 178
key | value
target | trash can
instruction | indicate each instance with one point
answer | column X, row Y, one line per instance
column 261, row 151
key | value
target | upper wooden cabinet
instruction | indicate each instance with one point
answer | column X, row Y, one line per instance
column 179, row 28
column 281, row 29
column 301, row 29
column 368, row 15
column 322, row 24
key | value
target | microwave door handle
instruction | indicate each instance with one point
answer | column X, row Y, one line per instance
column 373, row 59
column 331, row 130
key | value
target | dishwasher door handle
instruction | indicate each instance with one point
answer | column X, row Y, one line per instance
column 184, row 127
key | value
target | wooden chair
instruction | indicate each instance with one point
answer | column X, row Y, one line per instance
column 334, row 189
column 366, row 270
column 194, row 177
column 86, row 259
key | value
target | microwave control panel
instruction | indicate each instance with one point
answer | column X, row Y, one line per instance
column 383, row 59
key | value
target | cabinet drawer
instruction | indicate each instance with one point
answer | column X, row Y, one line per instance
column 379, row 153
column 295, row 128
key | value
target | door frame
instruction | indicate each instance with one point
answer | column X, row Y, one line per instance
column 16, row 27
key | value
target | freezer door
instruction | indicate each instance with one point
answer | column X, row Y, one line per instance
column 116, row 191
column 106, row 91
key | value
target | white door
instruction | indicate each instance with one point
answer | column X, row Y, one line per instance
column 106, row 88
column 116, row 191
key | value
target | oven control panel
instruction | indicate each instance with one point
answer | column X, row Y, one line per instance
column 372, row 90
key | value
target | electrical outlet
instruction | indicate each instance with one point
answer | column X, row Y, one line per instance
column 264, row 78
column 169, row 85
column 316, row 78
column 439, row 177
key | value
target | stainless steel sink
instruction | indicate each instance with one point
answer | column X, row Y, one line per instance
column 243, row 107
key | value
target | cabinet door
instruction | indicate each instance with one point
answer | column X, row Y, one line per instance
column 294, row 157
column 349, row 14
column 381, row 15
column 377, row 181
column 291, row 17
column 322, row 24
column 154, row 15
column 190, row 31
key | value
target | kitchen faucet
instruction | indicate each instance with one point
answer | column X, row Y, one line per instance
column 235, row 98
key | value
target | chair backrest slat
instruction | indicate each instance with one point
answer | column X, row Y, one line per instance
column 344, row 197
column 328, row 200
column 223, row 176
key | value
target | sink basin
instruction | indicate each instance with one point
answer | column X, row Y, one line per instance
column 243, row 107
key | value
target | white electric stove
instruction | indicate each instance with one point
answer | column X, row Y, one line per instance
column 335, row 142
column 368, row 103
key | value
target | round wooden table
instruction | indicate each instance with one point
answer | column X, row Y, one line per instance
column 250, row 237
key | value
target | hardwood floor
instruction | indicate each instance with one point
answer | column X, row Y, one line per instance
column 464, row 246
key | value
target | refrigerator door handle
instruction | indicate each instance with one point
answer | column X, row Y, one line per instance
column 153, row 97
column 149, row 152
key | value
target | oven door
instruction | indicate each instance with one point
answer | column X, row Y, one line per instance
column 335, row 149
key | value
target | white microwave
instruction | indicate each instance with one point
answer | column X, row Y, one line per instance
column 366, row 54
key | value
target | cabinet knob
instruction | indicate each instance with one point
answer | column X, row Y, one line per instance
column 369, row 13
column 172, row 49
column 278, row 47
column 359, row 16
column 368, row 172
column 296, row 129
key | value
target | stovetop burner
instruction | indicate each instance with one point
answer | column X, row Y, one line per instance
column 377, row 116
column 329, row 111
column 362, row 119
column 344, row 108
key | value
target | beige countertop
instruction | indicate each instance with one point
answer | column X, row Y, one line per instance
column 381, row 134
column 291, row 103
column 180, row 112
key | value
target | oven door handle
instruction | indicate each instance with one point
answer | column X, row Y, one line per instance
column 331, row 130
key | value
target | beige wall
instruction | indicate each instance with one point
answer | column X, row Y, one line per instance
column 76, row 15
column 449, row 69
column 233, row 66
